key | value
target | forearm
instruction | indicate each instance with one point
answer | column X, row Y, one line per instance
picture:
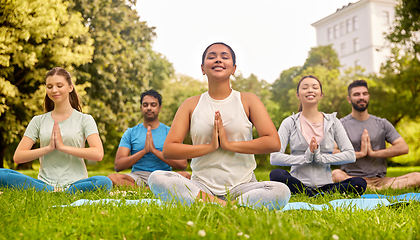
column 124, row 162
column 282, row 159
column 388, row 152
column 347, row 156
column 90, row 153
column 23, row 156
column 260, row 145
column 179, row 151
column 178, row 164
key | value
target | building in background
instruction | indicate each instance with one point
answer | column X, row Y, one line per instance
column 356, row 32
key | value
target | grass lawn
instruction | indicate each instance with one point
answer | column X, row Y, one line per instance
column 31, row 215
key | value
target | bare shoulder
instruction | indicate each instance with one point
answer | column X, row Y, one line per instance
column 190, row 102
column 249, row 99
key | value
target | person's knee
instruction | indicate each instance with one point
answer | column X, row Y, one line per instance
column 155, row 176
column 113, row 177
column 416, row 178
column 338, row 175
column 276, row 174
column 104, row 182
column 284, row 189
column 359, row 183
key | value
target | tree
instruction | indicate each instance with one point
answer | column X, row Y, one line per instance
column 323, row 63
column 398, row 91
column 324, row 56
column 174, row 93
column 123, row 66
column 407, row 26
column 35, row 36
column 398, row 88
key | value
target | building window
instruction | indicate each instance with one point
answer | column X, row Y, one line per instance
column 358, row 65
column 336, row 31
column 385, row 18
column 348, row 25
column 355, row 23
column 342, row 29
column 356, row 44
column 330, row 34
column 342, row 49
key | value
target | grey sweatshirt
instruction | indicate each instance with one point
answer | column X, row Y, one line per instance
column 313, row 169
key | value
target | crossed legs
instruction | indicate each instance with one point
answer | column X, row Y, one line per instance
column 376, row 183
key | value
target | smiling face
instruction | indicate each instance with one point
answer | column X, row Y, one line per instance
column 218, row 62
column 309, row 91
column 150, row 108
column 58, row 89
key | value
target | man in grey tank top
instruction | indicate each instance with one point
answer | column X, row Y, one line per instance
column 368, row 134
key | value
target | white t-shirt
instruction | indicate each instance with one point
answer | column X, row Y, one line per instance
column 58, row 168
column 221, row 170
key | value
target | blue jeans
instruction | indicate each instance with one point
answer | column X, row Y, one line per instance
column 13, row 179
column 352, row 185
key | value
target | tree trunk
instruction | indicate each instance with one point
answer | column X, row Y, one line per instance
column 3, row 150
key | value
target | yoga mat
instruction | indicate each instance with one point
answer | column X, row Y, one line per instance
column 358, row 203
column 116, row 202
column 402, row 197
column 366, row 202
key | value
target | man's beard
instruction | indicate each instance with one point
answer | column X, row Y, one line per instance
column 358, row 108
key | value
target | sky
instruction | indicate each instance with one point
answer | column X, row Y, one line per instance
column 268, row 36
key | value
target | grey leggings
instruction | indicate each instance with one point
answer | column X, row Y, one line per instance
column 170, row 186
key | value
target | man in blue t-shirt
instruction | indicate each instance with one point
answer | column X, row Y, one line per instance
column 141, row 146
column 368, row 135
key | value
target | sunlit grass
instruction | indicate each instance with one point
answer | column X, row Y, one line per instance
column 31, row 215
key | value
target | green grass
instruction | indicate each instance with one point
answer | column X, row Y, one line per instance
column 31, row 215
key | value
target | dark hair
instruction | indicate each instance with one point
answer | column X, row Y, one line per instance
column 224, row 44
column 356, row 83
column 303, row 78
column 152, row 93
column 73, row 96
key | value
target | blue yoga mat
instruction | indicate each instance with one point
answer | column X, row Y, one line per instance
column 366, row 202
column 358, row 203
column 116, row 202
column 402, row 197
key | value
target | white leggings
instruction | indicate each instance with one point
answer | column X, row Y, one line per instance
column 170, row 186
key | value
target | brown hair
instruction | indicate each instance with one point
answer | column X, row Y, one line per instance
column 73, row 97
column 357, row 83
column 303, row 78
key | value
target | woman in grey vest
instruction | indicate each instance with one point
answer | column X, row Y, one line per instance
column 311, row 135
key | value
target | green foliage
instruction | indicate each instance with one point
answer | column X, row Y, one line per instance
column 398, row 91
column 324, row 56
column 407, row 26
column 174, row 93
column 123, row 66
column 35, row 36
column 280, row 93
column 322, row 63
column 410, row 131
